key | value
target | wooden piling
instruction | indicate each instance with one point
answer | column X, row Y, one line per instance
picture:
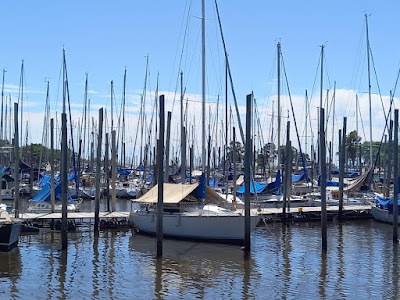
column 322, row 159
column 64, row 181
column 16, row 162
column 113, row 170
column 160, row 163
column 107, row 170
column 52, row 171
column 167, row 148
column 342, row 157
column 247, row 169
column 396, row 175
column 390, row 151
column 98, row 173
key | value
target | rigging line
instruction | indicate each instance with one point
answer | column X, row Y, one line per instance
column 377, row 82
column 314, row 83
column 230, row 75
column 326, row 70
column 257, row 119
column 184, row 39
column 294, row 119
column 383, row 134
column 362, row 122
column 70, row 120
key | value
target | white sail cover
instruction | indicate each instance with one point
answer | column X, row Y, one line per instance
column 173, row 193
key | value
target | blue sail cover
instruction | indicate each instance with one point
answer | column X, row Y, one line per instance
column 43, row 180
column 200, row 191
column 330, row 182
column 44, row 194
column 275, row 185
column 385, row 203
column 299, row 177
column 254, row 187
column 124, row 171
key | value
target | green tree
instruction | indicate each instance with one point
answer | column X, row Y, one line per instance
column 352, row 142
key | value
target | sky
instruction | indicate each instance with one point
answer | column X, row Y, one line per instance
column 103, row 38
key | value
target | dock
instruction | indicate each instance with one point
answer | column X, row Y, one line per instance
column 273, row 214
column 313, row 213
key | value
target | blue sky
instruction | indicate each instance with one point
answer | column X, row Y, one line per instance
column 103, row 37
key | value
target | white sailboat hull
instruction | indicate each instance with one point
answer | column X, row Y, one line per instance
column 227, row 228
column 382, row 215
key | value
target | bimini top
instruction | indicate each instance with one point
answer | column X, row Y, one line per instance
column 173, row 193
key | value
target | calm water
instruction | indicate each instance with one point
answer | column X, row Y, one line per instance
column 286, row 263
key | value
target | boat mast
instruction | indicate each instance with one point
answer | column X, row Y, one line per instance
column 21, row 97
column 279, row 102
column 203, row 89
column 183, row 138
column 320, row 104
column 122, row 162
column 85, row 119
column 2, row 105
column 369, row 93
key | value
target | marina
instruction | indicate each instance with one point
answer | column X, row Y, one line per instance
column 191, row 172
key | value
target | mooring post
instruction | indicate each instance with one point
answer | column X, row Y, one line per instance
column 113, row 170
column 396, row 175
column 98, row 173
column 342, row 162
column 16, row 162
column 167, row 148
column 52, row 171
column 390, row 152
column 322, row 164
column 247, row 169
column 160, row 163
column 64, row 180
column 107, row 170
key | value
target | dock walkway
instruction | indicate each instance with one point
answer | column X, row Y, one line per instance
column 265, row 212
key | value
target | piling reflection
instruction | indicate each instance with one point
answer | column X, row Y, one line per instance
column 190, row 268
column 395, row 275
column 10, row 270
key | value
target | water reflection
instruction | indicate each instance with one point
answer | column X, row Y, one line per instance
column 286, row 263
column 191, row 269
column 10, row 270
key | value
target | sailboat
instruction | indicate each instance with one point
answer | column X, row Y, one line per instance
column 9, row 230
column 382, row 211
column 192, row 211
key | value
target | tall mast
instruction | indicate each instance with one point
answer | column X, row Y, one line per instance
column 112, row 105
column 85, row 119
column 143, row 113
column 322, row 77
column 123, row 122
column 2, row 107
column 320, row 107
column 279, row 102
column 21, row 97
column 183, row 139
column 369, row 93
column 203, row 89
column 306, row 129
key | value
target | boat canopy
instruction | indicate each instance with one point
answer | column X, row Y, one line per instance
column 173, row 193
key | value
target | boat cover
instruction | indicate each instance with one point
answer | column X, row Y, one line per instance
column 173, row 193
column 44, row 195
column 255, row 187
column 385, row 203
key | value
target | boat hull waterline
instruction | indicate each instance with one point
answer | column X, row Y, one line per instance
column 207, row 228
